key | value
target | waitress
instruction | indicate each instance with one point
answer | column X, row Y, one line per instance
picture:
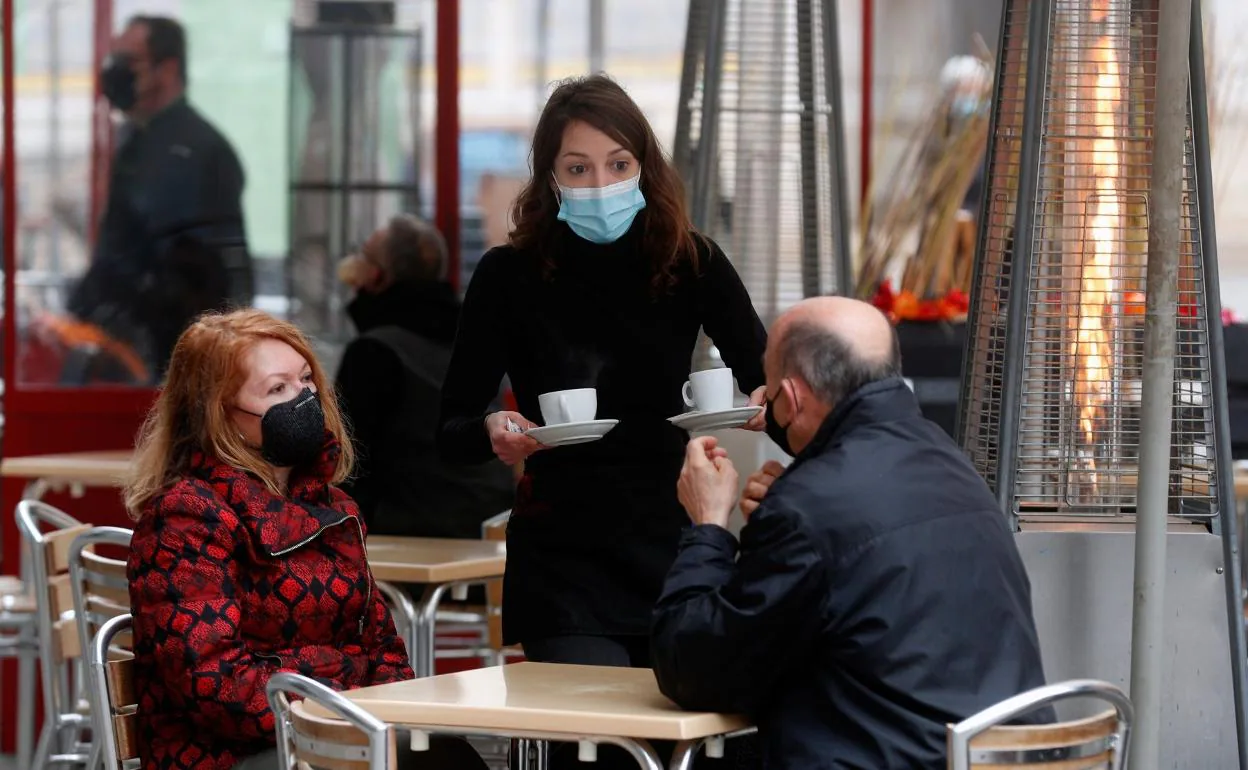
column 603, row 284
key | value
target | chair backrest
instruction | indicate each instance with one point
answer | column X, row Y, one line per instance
column 47, row 534
column 984, row 742
column 113, row 701
column 98, row 583
column 356, row 740
column 495, row 528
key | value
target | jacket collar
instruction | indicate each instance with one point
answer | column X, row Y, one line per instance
column 280, row 523
column 883, row 401
column 427, row 308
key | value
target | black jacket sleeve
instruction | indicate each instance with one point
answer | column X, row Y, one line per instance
column 729, row 318
column 716, row 616
column 478, row 363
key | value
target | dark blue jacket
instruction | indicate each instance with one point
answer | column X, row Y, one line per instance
column 876, row 596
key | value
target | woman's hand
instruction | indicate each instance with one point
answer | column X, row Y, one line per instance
column 758, row 398
column 511, row 447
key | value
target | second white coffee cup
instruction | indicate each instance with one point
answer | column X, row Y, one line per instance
column 710, row 390
column 560, row 406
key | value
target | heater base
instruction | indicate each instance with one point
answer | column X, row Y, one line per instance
column 1082, row 584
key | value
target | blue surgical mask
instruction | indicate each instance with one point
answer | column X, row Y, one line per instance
column 601, row 214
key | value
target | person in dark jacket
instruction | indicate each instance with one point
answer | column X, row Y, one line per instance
column 172, row 240
column 390, row 381
column 876, row 593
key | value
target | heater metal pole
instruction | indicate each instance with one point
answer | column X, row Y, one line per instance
column 1226, row 524
column 1157, row 398
column 1039, row 20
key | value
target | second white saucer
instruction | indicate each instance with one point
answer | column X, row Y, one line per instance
column 569, row 433
column 696, row 422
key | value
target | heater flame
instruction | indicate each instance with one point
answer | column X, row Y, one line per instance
column 1091, row 351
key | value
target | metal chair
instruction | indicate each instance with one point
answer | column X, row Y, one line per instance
column 112, row 695
column 101, row 592
column 19, row 639
column 48, row 533
column 356, row 740
column 495, row 528
column 1094, row 743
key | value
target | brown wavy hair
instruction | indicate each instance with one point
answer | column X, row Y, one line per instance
column 599, row 101
column 192, row 412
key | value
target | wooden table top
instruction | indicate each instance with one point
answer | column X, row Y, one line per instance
column 542, row 697
column 97, row 469
column 434, row 560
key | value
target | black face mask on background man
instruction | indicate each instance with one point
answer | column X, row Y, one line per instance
column 292, row 432
column 118, row 82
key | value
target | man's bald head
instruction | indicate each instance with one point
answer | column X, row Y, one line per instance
column 836, row 345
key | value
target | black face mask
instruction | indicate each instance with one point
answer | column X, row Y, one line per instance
column 118, row 82
column 775, row 431
column 292, row 432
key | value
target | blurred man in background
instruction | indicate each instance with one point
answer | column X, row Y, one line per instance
column 172, row 243
column 390, row 382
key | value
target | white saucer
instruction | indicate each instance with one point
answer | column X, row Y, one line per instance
column 696, row 422
column 569, row 433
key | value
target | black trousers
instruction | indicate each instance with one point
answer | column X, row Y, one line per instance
column 625, row 652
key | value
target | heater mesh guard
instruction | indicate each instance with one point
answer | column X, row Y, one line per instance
column 1077, row 404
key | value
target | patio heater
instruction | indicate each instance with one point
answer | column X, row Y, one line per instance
column 760, row 137
column 1051, row 392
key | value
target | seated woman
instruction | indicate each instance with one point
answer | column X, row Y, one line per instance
column 246, row 558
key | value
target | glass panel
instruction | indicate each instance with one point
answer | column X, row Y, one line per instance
column 354, row 101
column 184, row 196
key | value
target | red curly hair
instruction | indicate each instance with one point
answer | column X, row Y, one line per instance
column 192, row 412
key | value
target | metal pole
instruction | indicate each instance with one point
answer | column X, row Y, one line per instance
column 1020, row 260
column 596, row 29
column 54, row 134
column 708, row 130
column 690, row 72
column 807, row 156
column 844, row 272
column 1157, row 399
column 1227, row 520
column 543, row 51
column 969, row 375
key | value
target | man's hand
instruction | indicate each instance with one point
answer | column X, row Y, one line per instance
column 756, row 486
column 708, row 482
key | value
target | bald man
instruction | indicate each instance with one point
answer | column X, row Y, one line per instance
column 876, row 594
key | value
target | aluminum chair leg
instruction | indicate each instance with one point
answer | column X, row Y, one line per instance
column 43, row 750
column 26, row 703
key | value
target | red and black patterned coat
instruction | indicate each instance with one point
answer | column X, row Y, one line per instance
column 229, row 584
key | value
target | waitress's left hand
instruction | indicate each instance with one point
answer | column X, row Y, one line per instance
column 758, row 398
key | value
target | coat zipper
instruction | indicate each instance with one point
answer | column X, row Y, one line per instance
column 368, row 583
column 368, row 594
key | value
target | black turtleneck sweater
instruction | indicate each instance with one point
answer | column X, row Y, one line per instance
column 594, row 526
column 388, row 382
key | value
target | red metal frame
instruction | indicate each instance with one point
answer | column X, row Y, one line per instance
column 446, row 133
column 42, row 419
column 868, row 94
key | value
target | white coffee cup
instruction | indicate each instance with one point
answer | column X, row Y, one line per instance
column 710, row 390
column 560, row 406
